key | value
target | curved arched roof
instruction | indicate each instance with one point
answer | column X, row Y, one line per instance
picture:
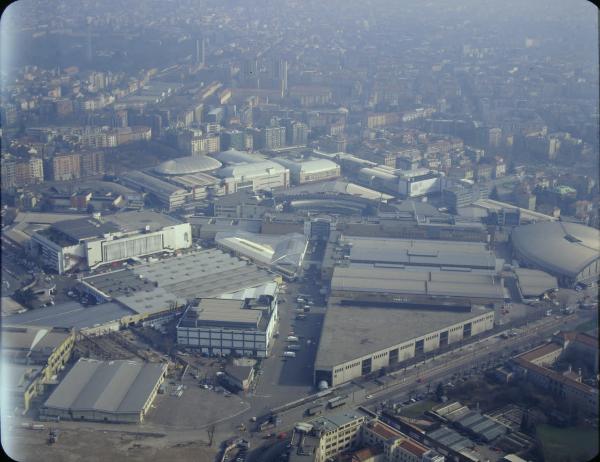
column 559, row 247
column 187, row 165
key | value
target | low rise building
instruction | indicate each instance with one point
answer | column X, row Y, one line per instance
column 115, row 391
column 535, row 365
column 32, row 356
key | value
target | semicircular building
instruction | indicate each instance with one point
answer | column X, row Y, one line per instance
column 187, row 165
column 569, row 251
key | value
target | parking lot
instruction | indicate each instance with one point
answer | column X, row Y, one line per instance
column 183, row 412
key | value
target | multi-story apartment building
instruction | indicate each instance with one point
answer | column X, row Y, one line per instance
column 92, row 163
column 66, row 167
column 273, row 137
column 21, row 172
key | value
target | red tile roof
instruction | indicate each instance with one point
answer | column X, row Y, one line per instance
column 540, row 351
column 414, row 447
column 385, row 431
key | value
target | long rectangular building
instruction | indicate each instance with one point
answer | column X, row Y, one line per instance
column 358, row 340
column 419, row 253
column 115, row 391
column 392, row 286
column 90, row 242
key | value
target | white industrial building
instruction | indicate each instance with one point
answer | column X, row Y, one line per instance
column 281, row 253
column 90, row 242
column 223, row 327
column 404, row 183
column 306, row 171
column 170, row 195
column 265, row 175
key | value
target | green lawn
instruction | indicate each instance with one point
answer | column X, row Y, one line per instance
column 416, row 409
column 573, row 444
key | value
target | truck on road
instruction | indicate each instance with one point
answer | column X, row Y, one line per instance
column 336, row 402
column 314, row 410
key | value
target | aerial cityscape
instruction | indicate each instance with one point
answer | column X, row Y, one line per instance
column 300, row 230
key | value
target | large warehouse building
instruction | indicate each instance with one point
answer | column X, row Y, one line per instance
column 222, row 327
column 114, row 391
column 368, row 284
column 156, row 291
column 265, row 175
column 90, row 242
column 358, row 340
column 425, row 254
column 569, row 251
column 306, row 171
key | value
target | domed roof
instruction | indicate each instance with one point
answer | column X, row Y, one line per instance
column 559, row 247
column 187, row 165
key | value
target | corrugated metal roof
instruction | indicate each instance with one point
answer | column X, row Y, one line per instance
column 113, row 387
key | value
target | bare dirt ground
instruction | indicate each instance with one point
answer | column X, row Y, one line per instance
column 101, row 445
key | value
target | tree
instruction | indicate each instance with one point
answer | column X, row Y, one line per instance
column 439, row 391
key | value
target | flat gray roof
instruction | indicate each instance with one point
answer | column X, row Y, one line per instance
column 534, row 283
column 371, row 278
column 226, row 311
column 138, row 220
column 154, row 286
column 115, row 386
column 350, row 332
column 70, row 314
column 415, row 252
column 85, row 228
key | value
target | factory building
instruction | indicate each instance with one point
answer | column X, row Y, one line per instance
column 221, row 327
column 114, row 391
column 404, row 183
column 306, row 171
column 265, row 175
column 157, row 291
column 31, row 358
column 90, row 242
column 372, row 285
column 170, row 195
column 568, row 251
column 421, row 253
column 360, row 340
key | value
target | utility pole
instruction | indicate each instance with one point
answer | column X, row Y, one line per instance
column 210, row 431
